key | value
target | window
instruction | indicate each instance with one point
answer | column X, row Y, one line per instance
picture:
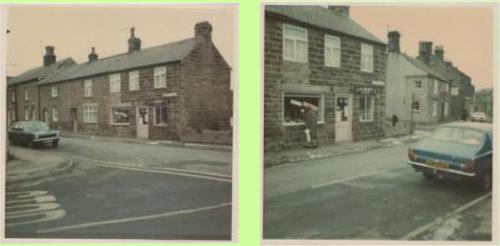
column 294, row 43
column 26, row 113
column 114, row 83
column 33, row 112
column 366, row 58
column 90, row 113
column 88, row 88
column 446, row 87
column 415, row 106
column 365, row 108
column 445, row 108
column 55, row 114
column 54, row 91
column 293, row 104
column 418, row 84
column 13, row 96
column 26, row 96
column 434, row 108
column 160, row 114
column 332, row 51
column 454, row 91
column 160, row 77
column 133, row 81
column 119, row 116
column 436, row 86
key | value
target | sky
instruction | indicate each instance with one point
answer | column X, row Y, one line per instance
column 465, row 32
column 73, row 30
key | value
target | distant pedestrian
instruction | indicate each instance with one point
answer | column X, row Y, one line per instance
column 394, row 120
column 310, row 118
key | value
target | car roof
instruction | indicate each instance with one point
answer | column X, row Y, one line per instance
column 473, row 125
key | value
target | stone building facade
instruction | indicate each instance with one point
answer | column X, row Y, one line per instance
column 177, row 91
column 483, row 102
column 322, row 57
column 410, row 80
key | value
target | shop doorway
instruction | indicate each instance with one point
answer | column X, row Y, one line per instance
column 343, row 118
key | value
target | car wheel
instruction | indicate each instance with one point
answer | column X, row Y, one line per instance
column 428, row 176
column 484, row 183
column 55, row 143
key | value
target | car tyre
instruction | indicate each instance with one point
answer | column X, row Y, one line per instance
column 55, row 143
column 484, row 183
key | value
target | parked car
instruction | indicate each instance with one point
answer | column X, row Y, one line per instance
column 32, row 134
column 460, row 151
column 478, row 116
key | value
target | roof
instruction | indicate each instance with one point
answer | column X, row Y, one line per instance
column 40, row 72
column 145, row 57
column 422, row 66
column 322, row 17
column 473, row 125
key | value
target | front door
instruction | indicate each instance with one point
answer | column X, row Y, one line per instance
column 74, row 119
column 343, row 118
column 142, row 122
column 45, row 115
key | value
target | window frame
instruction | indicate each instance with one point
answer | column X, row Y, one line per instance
column 160, row 71
column 334, row 61
column 364, row 55
column 87, row 87
column 155, row 117
column 446, row 108
column 87, row 114
column 111, row 120
column 133, row 79
column 417, row 82
column 115, row 83
column 26, row 94
column 372, row 109
column 27, row 112
column 416, row 102
column 434, row 108
column 13, row 96
column 294, row 39
column 321, row 106
column 55, row 114
column 436, row 87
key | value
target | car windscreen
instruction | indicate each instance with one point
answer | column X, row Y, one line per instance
column 35, row 126
column 459, row 135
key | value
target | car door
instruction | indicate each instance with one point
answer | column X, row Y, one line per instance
column 484, row 157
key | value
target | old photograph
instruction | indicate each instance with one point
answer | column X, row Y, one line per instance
column 378, row 122
column 120, row 121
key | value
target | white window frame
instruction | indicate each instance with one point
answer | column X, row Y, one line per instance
column 111, row 116
column 321, row 107
column 87, row 84
column 371, row 112
column 454, row 91
column 367, row 57
column 446, row 87
column 27, row 112
column 419, row 106
column 332, row 43
column 436, row 87
column 115, row 84
column 434, row 108
column 417, row 82
column 154, row 115
column 89, row 110
column 54, row 91
column 133, row 80
column 446, row 108
column 293, row 57
column 160, row 77
column 26, row 94
column 55, row 114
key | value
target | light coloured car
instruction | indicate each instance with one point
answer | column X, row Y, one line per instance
column 478, row 116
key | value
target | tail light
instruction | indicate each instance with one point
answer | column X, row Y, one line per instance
column 411, row 154
column 469, row 166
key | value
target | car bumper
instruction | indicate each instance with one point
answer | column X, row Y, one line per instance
column 45, row 139
column 435, row 170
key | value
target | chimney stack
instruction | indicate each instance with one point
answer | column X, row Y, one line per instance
column 341, row 10
column 203, row 30
column 439, row 52
column 49, row 57
column 92, row 56
column 425, row 51
column 393, row 45
column 134, row 44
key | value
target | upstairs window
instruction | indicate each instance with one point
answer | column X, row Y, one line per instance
column 160, row 77
column 133, row 81
column 418, row 84
column 26, row 96
column 88, row 87
column 366, row 58
column 332, row 51
column 114, row 83
column 54, row 91
column 294, row 43
column 13, row 96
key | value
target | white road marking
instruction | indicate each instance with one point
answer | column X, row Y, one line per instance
column 354, row 177
column 164, row 172
column 47, row 215
column 441, row 219
column 38, row 199
column 30, row 208
column 131, row 219
column 25, row 194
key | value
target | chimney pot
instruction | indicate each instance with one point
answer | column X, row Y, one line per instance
column 341, row 10
column 203, row 30
column 425, row 51
column 49, row 57
column 393, row 45
column 92, row 56
column 439, row 52
column 134, row 44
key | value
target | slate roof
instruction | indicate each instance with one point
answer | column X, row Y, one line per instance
column 422, row 66
column 322, row 17
column 40, row 72
column 145, row 57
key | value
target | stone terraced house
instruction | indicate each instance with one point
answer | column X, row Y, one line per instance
column 177, row 91
column 320, row 56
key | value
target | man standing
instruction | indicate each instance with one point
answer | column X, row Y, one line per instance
column 310, row 118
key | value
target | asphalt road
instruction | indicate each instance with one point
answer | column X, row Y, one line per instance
column 369, row 195
column 125, row 191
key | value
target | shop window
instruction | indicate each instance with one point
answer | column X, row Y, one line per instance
column 133, row 81
column 119, row 116
column 161, row 115
column 114, row 83
column 294, row 43
column 332, row 51
column 160, row 80
column 365, row 108
column 366, row 58
column 90, row 113
column 293, row 107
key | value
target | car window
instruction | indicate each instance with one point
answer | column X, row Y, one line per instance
column 35, row 126
column 458, row 135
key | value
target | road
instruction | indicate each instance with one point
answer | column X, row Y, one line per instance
column 127, row 190
column 369, row 195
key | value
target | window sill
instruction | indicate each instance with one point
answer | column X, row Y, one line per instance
column 119, row 124
column 366, row 71
column 161, row 125
column 90, row 122
column 335, row 67
column 159, row 88
column 295, row 61
column 301, row 123
column 366, row 121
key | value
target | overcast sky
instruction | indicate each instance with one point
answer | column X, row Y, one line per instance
column 73, row 30
column 465, row 32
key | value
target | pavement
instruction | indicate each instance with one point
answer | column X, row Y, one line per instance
column 296, row 155
column 29, row 164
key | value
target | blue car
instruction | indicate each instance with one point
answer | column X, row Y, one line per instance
column 460, row 151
